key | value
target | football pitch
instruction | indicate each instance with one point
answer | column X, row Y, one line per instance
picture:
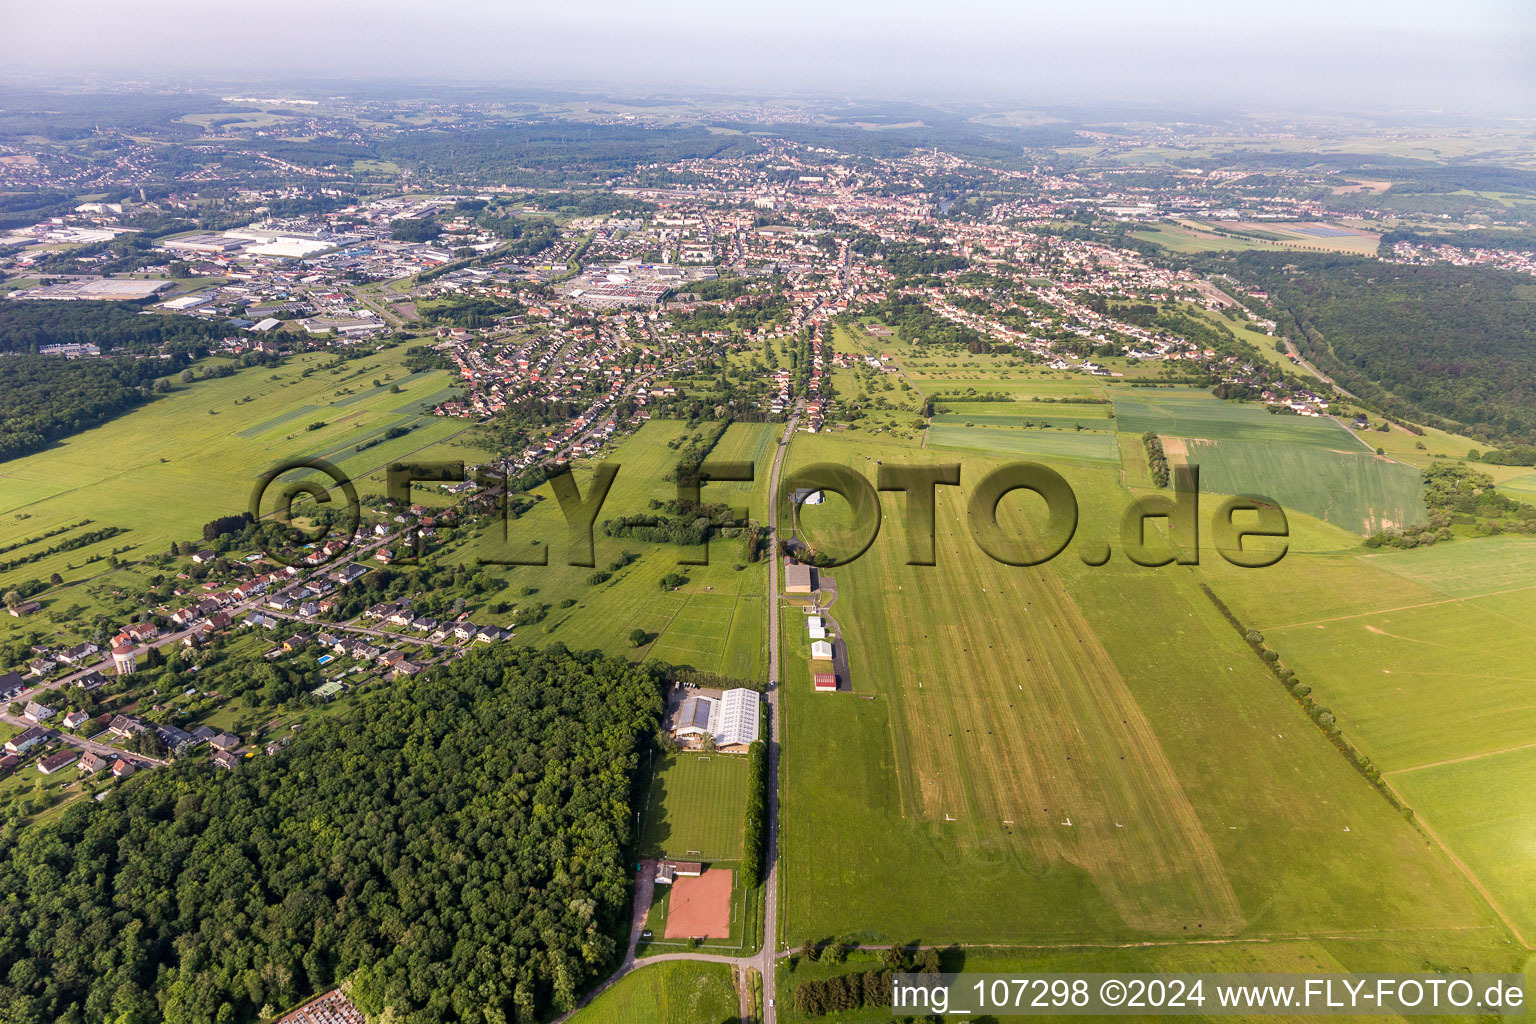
column 696, row 807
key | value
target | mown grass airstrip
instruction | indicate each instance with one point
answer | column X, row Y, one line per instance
column 1072, row 754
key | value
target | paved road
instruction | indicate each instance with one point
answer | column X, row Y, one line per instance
column 767, row 956
column 81, row 743
column 770, row 953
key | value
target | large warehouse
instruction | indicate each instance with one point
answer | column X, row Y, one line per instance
column 732, row 718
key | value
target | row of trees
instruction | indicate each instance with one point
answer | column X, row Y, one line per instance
column 754, row 844
column 1157, row 459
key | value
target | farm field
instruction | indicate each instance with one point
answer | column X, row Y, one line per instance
column 1357, row 491
column 1421, row 657
column 163, row 470
column 1071, row 754
column 1211, row 236
column 1189, row 412
column 666, row 993
column 1033, row 416
column 713, row 622
column 1075, row 445
column 696, row 807
column 1485, row 810
column 1406, row 953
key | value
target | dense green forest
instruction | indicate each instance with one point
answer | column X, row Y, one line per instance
column 1453, row 346
column 44, row 398
column 27, row 326
column 456, row 846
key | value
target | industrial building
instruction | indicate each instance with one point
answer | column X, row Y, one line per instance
column 731, row 719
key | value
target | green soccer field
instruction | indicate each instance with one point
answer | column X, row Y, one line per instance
column 696, row 807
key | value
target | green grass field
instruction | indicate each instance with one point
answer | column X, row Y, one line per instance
column 696, row 807
column 1051, row 445
column 1188, row 412
column 161, row 471
column 666, row 993
column 1034, row 419
column 1485, row 810
column 1073, row 754
column 1356, row 490
column 1421, row 655
column 714, row 622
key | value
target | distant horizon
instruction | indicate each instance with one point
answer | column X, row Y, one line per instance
column 1368, row 57
column 366, row 88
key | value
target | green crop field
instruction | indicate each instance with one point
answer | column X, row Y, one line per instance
column 1072, row 754
column 1356, row 490
column 1186, row 412
column 696, row 807
column 1485, row 810
column 1064, row 419
column 666, row 993
column 1076, row 445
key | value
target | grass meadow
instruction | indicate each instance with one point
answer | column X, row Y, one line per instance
column 163, row 470
column 1422, row 657
column 714, row 621
column 678, row 992
column 1072, row 754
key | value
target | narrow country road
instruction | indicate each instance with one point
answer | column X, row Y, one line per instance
column 766, row 957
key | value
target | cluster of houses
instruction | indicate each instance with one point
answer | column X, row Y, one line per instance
column 399, row 613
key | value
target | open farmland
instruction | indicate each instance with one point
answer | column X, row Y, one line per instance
column 1421, row 657
column 204, row 445
column 1187, row 412
column 1484, row 809
column 1025, row 442
column 1043, row 755
column 1357, row 490
column 696, row 806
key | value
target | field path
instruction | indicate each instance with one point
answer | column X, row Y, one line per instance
column 1400, row 608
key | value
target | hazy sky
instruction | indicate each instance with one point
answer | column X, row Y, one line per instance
column 1468, row 55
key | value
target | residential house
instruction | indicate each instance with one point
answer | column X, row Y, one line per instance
column 25, row 740
column 62, row 759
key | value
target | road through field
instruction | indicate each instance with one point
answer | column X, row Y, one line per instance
column 766, row 957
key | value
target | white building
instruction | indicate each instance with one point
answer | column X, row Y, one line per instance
column 732, row 719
